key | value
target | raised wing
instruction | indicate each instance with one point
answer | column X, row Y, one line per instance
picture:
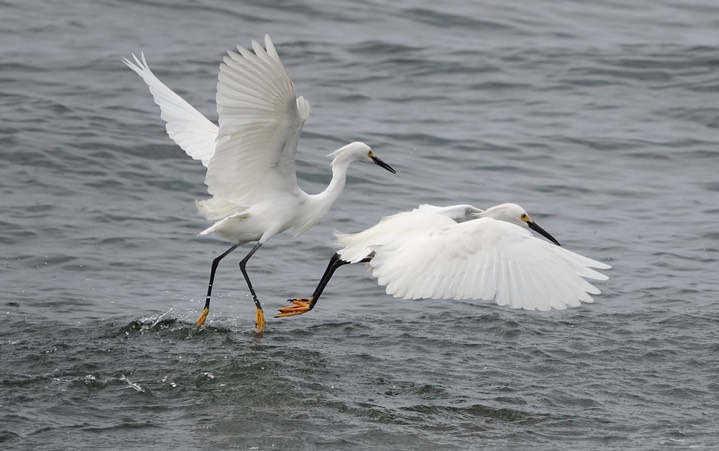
column 486, row 259
column 423, row 220
column 260, row 124
column 192, row 131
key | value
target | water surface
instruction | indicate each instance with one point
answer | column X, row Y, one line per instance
column 601, row 120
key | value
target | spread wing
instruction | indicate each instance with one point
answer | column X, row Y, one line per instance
column 260, row 124
column 422, row 220
column 486, row 259
column 192, row 131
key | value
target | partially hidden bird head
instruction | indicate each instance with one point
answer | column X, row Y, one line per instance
column 516, row 215
column 358, row 151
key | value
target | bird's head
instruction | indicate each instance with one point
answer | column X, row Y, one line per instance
column 358, row 151
column 517, row 215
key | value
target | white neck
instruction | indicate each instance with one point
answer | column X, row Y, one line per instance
column 318, row 205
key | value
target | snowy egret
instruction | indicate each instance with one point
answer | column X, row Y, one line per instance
column 462, row 252
column 250, row 157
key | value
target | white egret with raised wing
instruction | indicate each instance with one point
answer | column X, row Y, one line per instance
column 462, row 252
column 250, row 156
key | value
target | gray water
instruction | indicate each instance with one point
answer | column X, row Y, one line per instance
column 600, row 118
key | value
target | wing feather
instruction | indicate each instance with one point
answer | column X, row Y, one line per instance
column 485, row 259
column 260, row 124
column 390, row 229
column 189, row 128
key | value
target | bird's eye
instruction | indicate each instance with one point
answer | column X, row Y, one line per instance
column 524, row 217
column 370, row 154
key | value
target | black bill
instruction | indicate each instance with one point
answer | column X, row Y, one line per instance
column 533, row 225
column 382, row 164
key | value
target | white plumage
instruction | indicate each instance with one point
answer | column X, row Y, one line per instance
column 491, row 257
column 250, row 156
column 461, row 252
column 189, row 128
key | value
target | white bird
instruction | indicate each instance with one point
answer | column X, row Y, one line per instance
column 462, row 252
column 250, row 157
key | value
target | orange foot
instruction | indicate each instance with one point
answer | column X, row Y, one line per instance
column 298, row 307
column 260, row 320
column 203, row 316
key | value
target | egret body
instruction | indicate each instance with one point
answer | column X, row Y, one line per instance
column 462, row 252
column 250, row 156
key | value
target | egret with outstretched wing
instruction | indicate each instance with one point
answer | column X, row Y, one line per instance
column 250, row 157
column 462, row 252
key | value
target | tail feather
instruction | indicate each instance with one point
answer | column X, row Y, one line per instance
column 217, row 225
column 216, row 208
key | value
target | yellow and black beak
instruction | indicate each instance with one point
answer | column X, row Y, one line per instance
column 381, row 163
column 533, row 225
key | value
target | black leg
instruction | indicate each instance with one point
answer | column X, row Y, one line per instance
column 201, row 320
column 301, row 306
column 335, row 262
column 259, row 314
column 243, row 263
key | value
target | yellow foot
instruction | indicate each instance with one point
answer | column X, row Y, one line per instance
column 259, row 320
column 298, row 307
column 203, row 316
